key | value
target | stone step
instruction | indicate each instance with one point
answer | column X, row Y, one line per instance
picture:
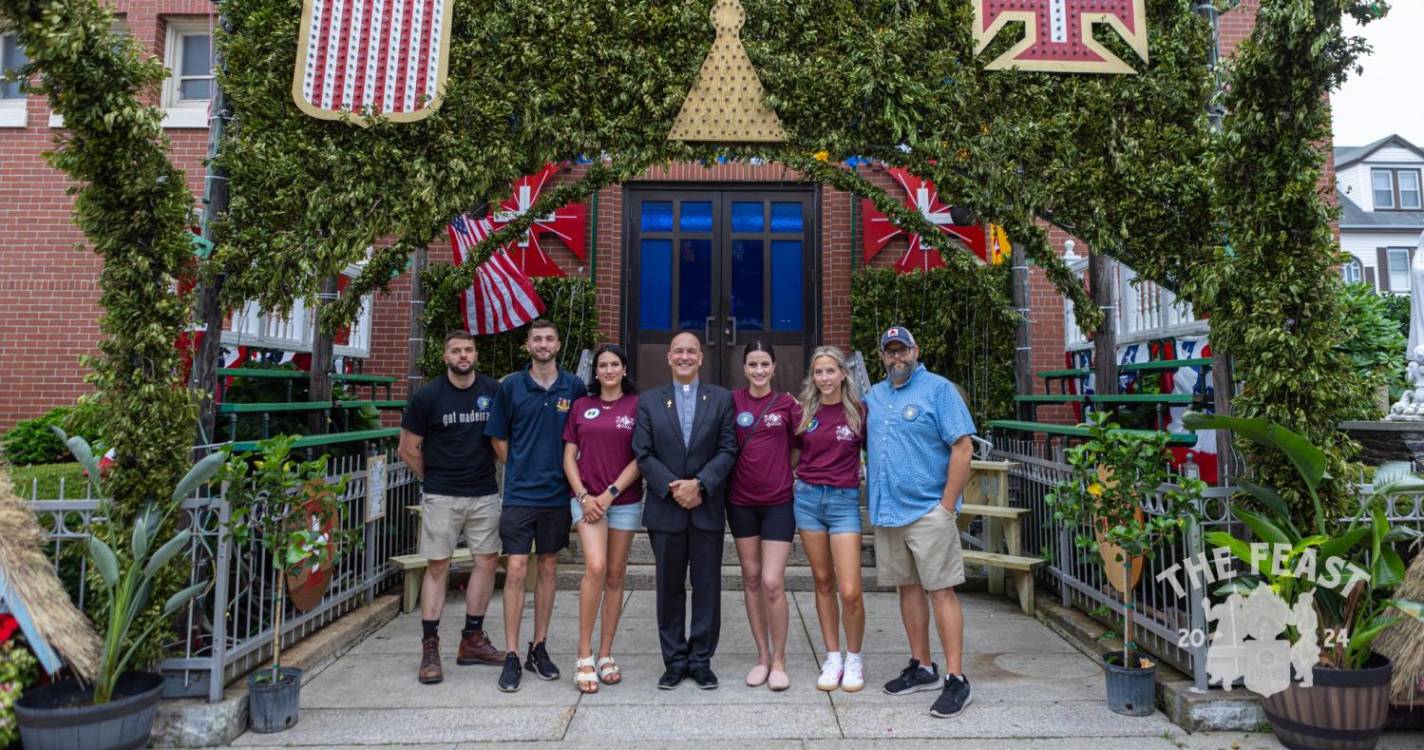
column 642, row 551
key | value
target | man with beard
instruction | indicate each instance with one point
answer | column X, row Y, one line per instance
column 920, row 451
column 443, row 441
column 686, row 444
column 526, row 425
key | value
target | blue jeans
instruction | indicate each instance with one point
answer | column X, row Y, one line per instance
column 821, row 507
column 627, row 517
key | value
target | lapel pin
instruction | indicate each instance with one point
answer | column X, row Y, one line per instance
column 669, row 403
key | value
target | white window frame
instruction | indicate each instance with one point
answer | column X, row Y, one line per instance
column 176, row 113
column 13, row 112
column 1418, row 189
column 1390, row 255
column 1353, row 271
column 1374, row 190
column 1396, row 191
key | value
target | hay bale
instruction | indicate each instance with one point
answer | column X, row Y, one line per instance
column 1404, row 642
column 31, row 578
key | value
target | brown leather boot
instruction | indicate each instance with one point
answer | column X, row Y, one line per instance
column 430, row 672
column 476, row 648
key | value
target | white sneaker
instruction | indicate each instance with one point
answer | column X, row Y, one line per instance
column 853, row 678
column 830, row 677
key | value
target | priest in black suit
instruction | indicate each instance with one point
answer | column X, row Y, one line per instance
column 685, row 441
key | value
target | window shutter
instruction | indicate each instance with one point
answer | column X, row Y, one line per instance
column 1370, row 278
column 1383, row 255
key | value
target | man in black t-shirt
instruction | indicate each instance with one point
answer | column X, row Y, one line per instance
column 443, row 441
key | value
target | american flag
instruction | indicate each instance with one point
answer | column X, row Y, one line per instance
column 502, row 297
column 376, row 56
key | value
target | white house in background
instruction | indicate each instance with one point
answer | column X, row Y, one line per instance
column 1381, row 191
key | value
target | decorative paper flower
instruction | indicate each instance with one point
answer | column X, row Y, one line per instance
column 8, row 626
column 822, row 155
column 1095, row 489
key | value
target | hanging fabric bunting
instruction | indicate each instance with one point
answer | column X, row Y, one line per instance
column 1000, row 249
column 877, row 230
column 569, row 224
column 502, row 298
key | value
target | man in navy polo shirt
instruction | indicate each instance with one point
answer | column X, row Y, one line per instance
column 526, row 427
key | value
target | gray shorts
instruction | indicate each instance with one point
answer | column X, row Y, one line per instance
column 443, row 518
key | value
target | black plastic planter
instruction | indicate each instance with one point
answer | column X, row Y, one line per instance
column 61, row 717
column 1131, row 690
column 273, row 706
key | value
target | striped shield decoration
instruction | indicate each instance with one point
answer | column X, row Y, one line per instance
column 360, row 57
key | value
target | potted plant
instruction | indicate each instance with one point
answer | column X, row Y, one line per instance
column 1336, row 692
column 1115, row 473
column 291, row 510
column 118, row 709
column 19, row 670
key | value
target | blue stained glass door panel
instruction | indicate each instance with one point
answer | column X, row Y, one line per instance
column 787, row 282
column 694, row 285
column 748, row 284
column 655, row 296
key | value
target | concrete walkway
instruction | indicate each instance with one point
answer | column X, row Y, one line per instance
column 1031, row 690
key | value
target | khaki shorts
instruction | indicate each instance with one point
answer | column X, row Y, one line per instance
column 924, row 553
column 444, row 517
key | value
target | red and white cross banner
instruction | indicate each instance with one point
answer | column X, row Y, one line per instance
column 1058, row 34
column 360, row 57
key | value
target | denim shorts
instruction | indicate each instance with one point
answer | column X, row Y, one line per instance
column 821, row 507
column 627, row 517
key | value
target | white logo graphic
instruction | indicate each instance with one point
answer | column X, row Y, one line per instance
column 772, row 419
column 1250, row 640
column 844, row 434
column 591, row 414
column 745, row 419
column 624, row 423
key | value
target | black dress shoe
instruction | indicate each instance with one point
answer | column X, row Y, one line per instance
column 704, row 678
column 671, row 678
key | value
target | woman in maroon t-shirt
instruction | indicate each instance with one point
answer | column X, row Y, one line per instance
column 607, row 505
column 759, row 509
column 830, row 435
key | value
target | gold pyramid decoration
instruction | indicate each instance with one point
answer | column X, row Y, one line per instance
column 726, row 104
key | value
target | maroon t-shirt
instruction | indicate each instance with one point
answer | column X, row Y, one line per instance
column 604, row 436
column 765, row 428
column 830, row 450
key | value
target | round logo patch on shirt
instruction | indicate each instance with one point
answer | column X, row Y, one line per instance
column 483, row 402
column 591, row 414
column 815, row 422
column 910, row 413
column 745, row 419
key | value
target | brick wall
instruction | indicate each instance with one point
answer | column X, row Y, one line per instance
column 49, row 282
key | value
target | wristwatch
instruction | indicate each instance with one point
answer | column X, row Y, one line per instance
column 613, row 491
column 582, row 497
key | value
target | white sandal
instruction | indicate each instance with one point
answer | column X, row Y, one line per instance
column 586, row 682
column 608, row 668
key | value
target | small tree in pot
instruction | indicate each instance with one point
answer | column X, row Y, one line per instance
column 290, row 509
column 1116, row 475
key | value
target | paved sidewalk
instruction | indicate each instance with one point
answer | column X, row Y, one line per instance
column 1031, row 690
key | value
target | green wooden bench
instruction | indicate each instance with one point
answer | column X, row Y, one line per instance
column 266, row 410
column 1070, row 431
column 332, row 438
column 1164, row 364
column 373, row 381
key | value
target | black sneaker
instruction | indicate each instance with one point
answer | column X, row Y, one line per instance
column 705, row 678
column 671, row 678
column 539, row 662
column 953, row 699
column 913, row 679
column 509, row 678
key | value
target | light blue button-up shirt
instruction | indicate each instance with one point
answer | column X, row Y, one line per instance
column 910, row 433
column 686, row 398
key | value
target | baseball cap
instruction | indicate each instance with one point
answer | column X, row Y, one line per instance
column 899, row 334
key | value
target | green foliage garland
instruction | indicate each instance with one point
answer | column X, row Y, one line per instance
column 964, row 334
column 1274, row 294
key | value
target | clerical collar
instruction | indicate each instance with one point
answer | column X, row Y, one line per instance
column 687, row 387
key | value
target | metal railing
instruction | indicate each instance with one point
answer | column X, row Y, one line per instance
column 1164, row 620
column 1143, row 310
column 228, row 631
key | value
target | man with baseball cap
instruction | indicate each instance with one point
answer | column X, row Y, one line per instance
column 919, row 454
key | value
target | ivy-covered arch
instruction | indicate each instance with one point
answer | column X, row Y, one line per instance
column 1128, row 163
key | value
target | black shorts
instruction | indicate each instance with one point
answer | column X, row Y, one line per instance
column 774, row 523
column 524, row 529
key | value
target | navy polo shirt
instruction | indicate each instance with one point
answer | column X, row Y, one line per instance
column 532, row 420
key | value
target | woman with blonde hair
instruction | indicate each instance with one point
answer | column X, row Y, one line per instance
column 827, row 505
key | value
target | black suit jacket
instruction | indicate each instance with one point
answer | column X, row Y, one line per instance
column 708, row 456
